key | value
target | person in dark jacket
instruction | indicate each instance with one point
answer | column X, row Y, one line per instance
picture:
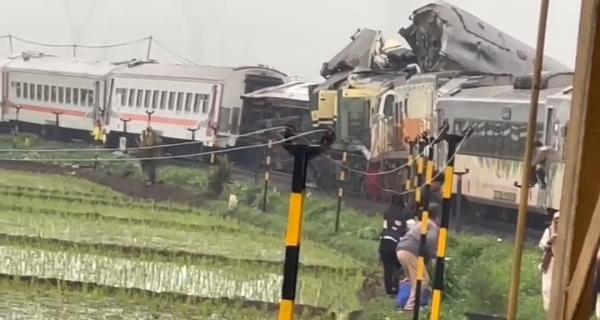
column 394, row 227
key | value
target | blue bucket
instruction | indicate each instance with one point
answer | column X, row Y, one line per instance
column 404, row 294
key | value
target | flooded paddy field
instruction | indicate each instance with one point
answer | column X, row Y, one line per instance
column 97, row 238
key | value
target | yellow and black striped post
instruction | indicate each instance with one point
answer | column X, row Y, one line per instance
column 424, row 220
column 438, row 282
column 340, row 192
column 267, row 176
column 302, row 155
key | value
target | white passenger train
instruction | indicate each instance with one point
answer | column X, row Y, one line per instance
column 181, row 102
column 493, row 155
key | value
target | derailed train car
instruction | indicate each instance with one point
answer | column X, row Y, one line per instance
column 378, row 95
column 493, row 155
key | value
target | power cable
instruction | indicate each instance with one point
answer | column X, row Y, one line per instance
column 167, row 157
column 174, row 54
column 54, row 45
column 440, row 172
column 261, row 131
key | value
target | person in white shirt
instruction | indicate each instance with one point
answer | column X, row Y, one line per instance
column 546, row 244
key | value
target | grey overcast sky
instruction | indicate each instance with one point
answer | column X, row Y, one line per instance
column 295, row 36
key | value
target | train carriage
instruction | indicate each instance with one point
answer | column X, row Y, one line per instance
column 493, row 155
column 58, row 92
column 3, row 89
column 184, row 102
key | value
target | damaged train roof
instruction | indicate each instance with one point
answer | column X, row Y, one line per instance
column 442, row 37
column 445, row 37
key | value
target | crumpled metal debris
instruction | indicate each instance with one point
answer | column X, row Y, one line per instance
column 445, row 37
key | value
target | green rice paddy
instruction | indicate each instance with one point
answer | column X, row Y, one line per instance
column 67, row 229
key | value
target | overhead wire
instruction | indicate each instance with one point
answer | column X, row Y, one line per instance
column 174, row 54
column 260, row 145
column 256, row 132
column 381, row 173
column 65, row 45
column 438, row 174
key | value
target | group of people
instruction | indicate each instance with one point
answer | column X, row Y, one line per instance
column 400, row 241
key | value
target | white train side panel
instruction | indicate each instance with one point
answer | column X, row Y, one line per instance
column 176, row 106
column 39, row 98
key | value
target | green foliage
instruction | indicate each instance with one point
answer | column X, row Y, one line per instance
column 219, row 176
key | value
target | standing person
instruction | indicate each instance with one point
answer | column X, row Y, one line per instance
column 547, row 245
column 407, row 252
column 394, row 227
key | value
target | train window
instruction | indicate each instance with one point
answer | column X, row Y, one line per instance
column 25, row 90
column 75, row 96
column 18, row 85
column 388, row 106
column 205, row 99
column 61, row 94
column 84, row 94
column 496, row 139
column 147, row 97
column 122, row 96
column 53, row 93
column 235, row 119
column 138, row 98
column 46, row 93
column 163, row 100
column 131, row 97
column 31, row 91
column 38, row 92
column 179, row 100
column 171, row 100
column 91, row 98
column 68, row 95
column 197, row 101
column 154, row 99
column 188, row 102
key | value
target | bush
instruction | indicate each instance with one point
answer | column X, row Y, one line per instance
column 219, row 176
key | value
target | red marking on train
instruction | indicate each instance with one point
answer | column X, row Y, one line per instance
column 159, row 119
column 63, row 112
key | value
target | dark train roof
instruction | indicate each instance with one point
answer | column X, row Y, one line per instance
column 499, row 93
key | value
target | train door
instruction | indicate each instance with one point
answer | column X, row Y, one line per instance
column 552, row 129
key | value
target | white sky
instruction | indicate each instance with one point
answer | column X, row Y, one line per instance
column 295, row 36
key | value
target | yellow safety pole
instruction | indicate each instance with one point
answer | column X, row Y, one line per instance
column 438, row 283
column 302, row 155
column 424, row 199
column 526, row 168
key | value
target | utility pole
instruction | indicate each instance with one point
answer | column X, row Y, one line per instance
column 513, row 295
column 149, row 48
column 459, row 195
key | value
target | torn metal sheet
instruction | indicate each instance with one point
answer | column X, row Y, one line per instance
column 445, row 37
column 358, row 53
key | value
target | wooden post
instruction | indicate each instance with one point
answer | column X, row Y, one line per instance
column 340, row 192
column 267, row 176
column 578, row 229
column 513, row 295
